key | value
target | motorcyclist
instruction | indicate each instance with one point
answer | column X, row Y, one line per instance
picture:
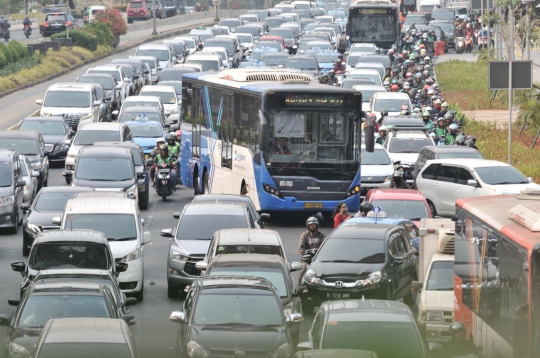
column 152, row 155
column 406, row 88
column 468, row 30
column 27, row 21
column 398, row 182
column 418, row 82
column 332, row 79
column 383, row 132
column 310, row 239
column 387, row 74
column 452, row 134
column 365, row 208
column 4, row 26
column 325, row 80
column 173, row 146
column 440, row 129
column 165, row 157
column 460, row 140
column 444, row 109
column 338, row 66
column 405, row 110
column 459, row 346
column 472, row 139
column 394, row 88
column 426, row 117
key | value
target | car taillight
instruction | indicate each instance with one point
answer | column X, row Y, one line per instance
column 144, row 10
column 45, row 24
column 68, row 23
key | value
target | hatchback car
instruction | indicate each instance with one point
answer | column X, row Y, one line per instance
column 444, row 152
column 226, row 315
column 191, row 238
column 363, row 260
column 54, row 131
column 400, row 203
column 32, row 145
column 11, row 190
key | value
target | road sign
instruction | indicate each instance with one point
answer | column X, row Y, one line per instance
column 522, row 75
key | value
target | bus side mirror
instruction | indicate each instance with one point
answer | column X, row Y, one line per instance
column 369, row 130
column 348, row 28
column 264, row 135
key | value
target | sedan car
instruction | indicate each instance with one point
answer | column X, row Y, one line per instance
column 377, row 169
column 306, row 64
column 30, row 177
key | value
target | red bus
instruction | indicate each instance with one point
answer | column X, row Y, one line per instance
column 497, row 273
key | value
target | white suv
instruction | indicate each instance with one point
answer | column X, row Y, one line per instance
column 376, row 169
column 78, row 103
column 404, row 145
column 443, row 181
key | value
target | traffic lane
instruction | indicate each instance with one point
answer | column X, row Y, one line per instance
column 18, row 34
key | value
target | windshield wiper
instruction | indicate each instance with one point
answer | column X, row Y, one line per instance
column 343, row 261
column 229, row 324
column 408, row 151
column 296, row 156
column 122, row 238
column 415, row 219
column 509, row 182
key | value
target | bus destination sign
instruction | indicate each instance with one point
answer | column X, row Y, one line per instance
column 371, row 11
column 314, row 99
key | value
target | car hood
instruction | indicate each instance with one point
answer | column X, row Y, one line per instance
column 513, row 188
column 163, row 64
column 404, row 157
column 43, row 218
column 169, row 107
column 6, row 191
column 120, row 249
column 112, row 185
column 438, row 300
column 26, row 337
column 192, row 247
column 33, row 158
column 53, row 139
column 74, row 149
column 219, row 340
column 344, row 270
column 377, row 170
column 145, row 142
column 65, row 110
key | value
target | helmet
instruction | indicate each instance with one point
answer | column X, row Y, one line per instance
column 26, row 17
column 453, row 127
column 416, row 110
column 164, row 147
column 408, row 74
column 460, row 138
column 404, row 112
column 451, row 114
column 426, row 73
column 424, row 35
column 171, row 136
column 457, row 327
column 312, row 220
column 440, row 119
column 160, row 140
column 444, row 104
column 395, row 87
column 178, row 132
column 404, row 107
column 468, row 26
column 388, row 68
column 471, row 138
column 429, row 109
column 427, row 58
column 386, row 83
column 391, row 51
column 406, row 85
column 383, row 128
column 469, row 143
column 418, row 76
column 423, row 52
column 384, row 113
column 366, row 207
column 332, row 71
column 426, row 114
column 432, row 135
column 429, row 81
column 427, row 67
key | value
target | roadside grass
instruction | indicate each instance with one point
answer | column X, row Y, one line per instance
column 466, row 84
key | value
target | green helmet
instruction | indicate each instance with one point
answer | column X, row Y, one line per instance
column 426, row 114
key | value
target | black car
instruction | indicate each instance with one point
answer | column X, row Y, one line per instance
column 160, row 13
column 55, row 23
column 139, row 160
column 32, row 145
column 270, row 267
column 11, row 190
column 49, row 203
column 55, row 132
column 363, row 260
column 132, row 76
column 259, row 219
column 45, row 301
column 229, row 316
column 112, row 89
column 170, row 8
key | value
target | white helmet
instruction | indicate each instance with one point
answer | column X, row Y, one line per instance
column 426, row 58
column 383, row 128
column 160, row 140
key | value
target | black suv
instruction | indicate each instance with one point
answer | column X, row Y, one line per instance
column 55, row 23
column 45, row 301
column 11, row 189
column 32, row 145
column 363, row 260
column 230, row 316
column 170, row 8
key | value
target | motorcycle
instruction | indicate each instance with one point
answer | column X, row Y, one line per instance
column 163, row 178
column 468, row 43
column 460, row 45
column 482, row 42
column 4, row 34
column 27, row 31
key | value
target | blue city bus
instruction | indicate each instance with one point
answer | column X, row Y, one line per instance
column 374, row 22
column 287, row 142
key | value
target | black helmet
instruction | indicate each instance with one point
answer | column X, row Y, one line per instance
column 469, row 143
column 366, row 207
column 384, row 113
column 471, row 138
column 171, row 136
column 164, row 147
column 456, row 327
column 460, row 139
column 312, row 220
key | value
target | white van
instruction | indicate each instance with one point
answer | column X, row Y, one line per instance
column 120, row 220
column 389, row 101
column 94, row 10
column 428, row 5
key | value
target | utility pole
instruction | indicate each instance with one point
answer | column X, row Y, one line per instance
column 510, row 91
column 154, row 32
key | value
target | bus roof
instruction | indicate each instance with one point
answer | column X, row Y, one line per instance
column 488, row 209
column 373, row 5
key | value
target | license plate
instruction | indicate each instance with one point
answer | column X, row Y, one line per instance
column 164, row 171
column 313, row 205
column 338, row 296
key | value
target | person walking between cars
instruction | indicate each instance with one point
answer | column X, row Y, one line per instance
column 310, row 239
column 365, row 208
column 340, row 214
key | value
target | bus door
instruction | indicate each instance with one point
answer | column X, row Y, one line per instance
column 535, row 300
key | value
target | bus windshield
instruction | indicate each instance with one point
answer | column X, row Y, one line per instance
column 373, row 28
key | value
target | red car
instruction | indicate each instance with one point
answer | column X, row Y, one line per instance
column 400, row 203
column 139, row 10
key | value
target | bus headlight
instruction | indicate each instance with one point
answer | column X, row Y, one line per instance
column 353, row 191
column 271, row 190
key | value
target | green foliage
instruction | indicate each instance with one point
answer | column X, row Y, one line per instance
column 24, row 63
column 7, row 54
column 101, row 31
column 80, row 38
column 12, row 48
column 22, row 50
column 3, row 61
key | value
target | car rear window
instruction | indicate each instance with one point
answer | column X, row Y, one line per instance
column 135, row 5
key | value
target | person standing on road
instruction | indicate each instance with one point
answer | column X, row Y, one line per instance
column 310, row 239
column 365, row 208
column 340, row 214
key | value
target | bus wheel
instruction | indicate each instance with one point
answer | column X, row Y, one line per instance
column 205, row 189
column 196, row 184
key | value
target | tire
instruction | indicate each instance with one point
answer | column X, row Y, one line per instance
column 205, row 183
column 389, row 296
column 196, row 185
column 25, row 248
column 172, row 291
column 140, row 295
column 68, row 180
column 130, row 21
column 15, row 229
column 432, row 208
column 410, row 298
column 145, row 199
column 164, row 197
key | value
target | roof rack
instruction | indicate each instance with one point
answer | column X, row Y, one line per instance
column 407, row 127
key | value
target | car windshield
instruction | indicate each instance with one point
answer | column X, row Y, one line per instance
column 501, row 175
column 244, row 38
column 104, row 169
column 229, row 45
column 353, row 60
column 52, row 201
column 443, row 15
column 390, row 104
column 409, row 20
column 281, row 32
column 318, row 47
column 5, row 174
column 387, row 339
column 230, row 23
column 138, row 116
column 203, row 227
column 89, row 137
column 327, row 57
column 367, row 94
column 441, row 276
column 275, row 60
column 275, row 276
column 44, row 127
column 378, row 157
column 72, row 255
column 367, row 251
column 165, row 96
column 162, row 55
column 220, row 52
column 272, row 23
column 362, row 49
column 408, row 145
column 107, row 83
column 138, row 103
column 446, row 26
column 350, row 83
column 91, row 350
column 403, row 209
column 472, row 154
column 22, row 146
column 250, row 249
column 310, row 27
column 268, row 46
column 189, row 43
column 302, row 64
column 254, row 31
column 149, row 131
column 116, row 227
column 176, row 84
column 208, row 65
column 39, row 309
column 78, row 99
column 245, row 308
column 113, row 73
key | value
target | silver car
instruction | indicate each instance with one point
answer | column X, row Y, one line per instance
column 30, row 177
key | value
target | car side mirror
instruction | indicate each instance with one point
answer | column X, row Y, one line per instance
column 67, row 142
column 118, row 86
column 126, row 79
column 130, row 301
column 56, row 220
column 35, row 174
column 18, row 266
column 304, row 346
column 39, row 101
column 97, row 103
column 4, row 320
column 146, row 72
column 167, row 125
column 14, row 301
column 25, row 206
column 115, row 113
column 417, row 285
column 136, row 77
column 472, row 182
column 295, row 318
column 265, row 217
column 46, row 153
column 166, row 233
column 296, row 266
column 529, row 179
column 121, row 267
column 299, row 291
column 398, row 260
column 201, row 265
column 21, row 182
column 147, row 237
column 178, row 317
column 129, row 319
column 176, row 215
column 71, row 134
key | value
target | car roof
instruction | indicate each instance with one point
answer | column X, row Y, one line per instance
column 157, row 88
column 141, row 98
column 362, row 231
column 61, row 286
column 103, row 126
column 86, row 330
column 402, row 194
column 82, row 235
column 450, row 148
column 129, row 145
column 248, row 236
column 96, row 75
column 154, row 46
column 373, row 71
column 142, row 109
column 391, row 95
column 64, row 189
column 109, row 66
column 224, row 281
column 364, row 44
column 249, row 259
column 104, row 152
column 225, row 198
column 8, row 153
column 48, row 119
column 72, row 272
column 374, row 220
column 211, row 208
column 19, row 134
column 473, row 163
column 101, row 205
column 366, row 311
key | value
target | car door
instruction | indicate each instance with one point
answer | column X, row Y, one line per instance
column 409, row 264
column 393, row 269
column 462, row 189
column 317, row 330
column 426, row 183
column 442, row 197
column 400, row 258
column 44, row 158
column 18, row 190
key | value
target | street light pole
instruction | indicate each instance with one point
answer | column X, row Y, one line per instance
column 154, row 32
column 216, row 4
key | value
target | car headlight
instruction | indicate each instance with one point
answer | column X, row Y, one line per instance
column 61, row 147
column 433, row 316
column 194, row 350
column 7, row 200
column 132, row 192
column 87, row 115
column 388, row 178
column 282, row 352
column 178, row 256
column 176, row 110
column 374, row 277
column 72, row 156
column 18, row 351
column 311, row 277
column 131, row 256
column 36, row 165
column 33, row 228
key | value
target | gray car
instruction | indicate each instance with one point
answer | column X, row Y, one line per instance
column 191, row 238
column 30, row 177
column 11, row 190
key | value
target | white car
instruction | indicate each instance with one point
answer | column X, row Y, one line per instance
column 367, row 92
column 376, row 169
column 165, row 54
column 168, row 97
column 209, row 61
column 141, row 101
column 124, row 84
column 246, row 41
column 443, row 181
column 389, row 101
column 189, row 42
column 222, row 52
column 155, row 68
column 362, row 48
column 371, row 74
column 405, row 145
